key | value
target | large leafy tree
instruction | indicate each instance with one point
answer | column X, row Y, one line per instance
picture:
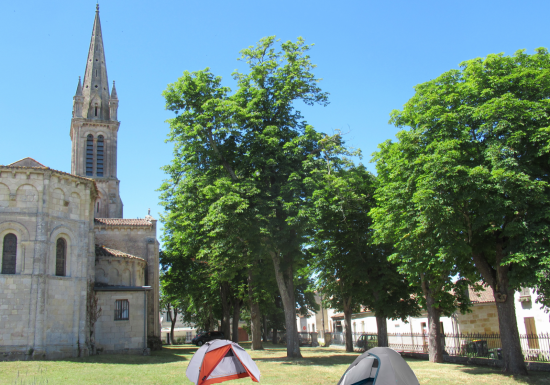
column 170, row 302
column 352, row 272
column 477, row 177
column 250, row 151
column 186, row 281
column 428, row 256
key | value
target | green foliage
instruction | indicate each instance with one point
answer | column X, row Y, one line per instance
column 468, row 185
column 186, row 283
column 348, row 265
column 236, row 189
column 479, row 159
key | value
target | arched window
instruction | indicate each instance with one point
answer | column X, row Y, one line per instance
column 9, row 253
column 99, row 160
column 90, row 155
column 60, row 256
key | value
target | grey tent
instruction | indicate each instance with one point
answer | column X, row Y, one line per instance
column 379, row 366
column 221, row 360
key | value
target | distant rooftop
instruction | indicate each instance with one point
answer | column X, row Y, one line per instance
column 122, row 222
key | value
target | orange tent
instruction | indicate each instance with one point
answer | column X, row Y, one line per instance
column 221, row 360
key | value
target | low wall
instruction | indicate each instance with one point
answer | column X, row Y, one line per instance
column 124, row 336
column 532, row 366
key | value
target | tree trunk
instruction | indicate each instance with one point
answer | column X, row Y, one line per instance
column 226, row 310
column 264, row 329
column 514, row 362
column 382, row 326
column 210, row 322
column 435, row 347
column 285, row 282
column 236, row 317
column 173, row 324
column 274, row 336
column 347, row 323
column 169, row 313
column 255, row 317
column 511, row 347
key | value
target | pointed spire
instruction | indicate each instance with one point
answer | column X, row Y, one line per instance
column 113, row 92
column 79, row 88
column 113, row 103
column 95, row 87
column 78, row 101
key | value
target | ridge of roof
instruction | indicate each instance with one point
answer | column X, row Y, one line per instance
column 27, row 158
column 122, row 222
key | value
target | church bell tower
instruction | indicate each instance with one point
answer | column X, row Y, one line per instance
column 94, row 129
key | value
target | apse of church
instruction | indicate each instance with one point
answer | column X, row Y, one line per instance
column 64, row 242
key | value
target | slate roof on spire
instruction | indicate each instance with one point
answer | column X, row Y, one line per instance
column 96, row 85
column 113, row 92
column 79, row 88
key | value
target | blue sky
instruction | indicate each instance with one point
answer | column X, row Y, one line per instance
column 370, row 55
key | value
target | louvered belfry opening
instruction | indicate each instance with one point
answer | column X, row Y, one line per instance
column 60, row 257
column 99, row 165
column 90, row 155
column 9, row 253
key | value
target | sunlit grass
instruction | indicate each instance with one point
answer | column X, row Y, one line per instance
column 322, row 366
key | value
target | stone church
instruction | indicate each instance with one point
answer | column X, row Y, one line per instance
column 76, row 277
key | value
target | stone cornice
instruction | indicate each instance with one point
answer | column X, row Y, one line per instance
column 48, row 172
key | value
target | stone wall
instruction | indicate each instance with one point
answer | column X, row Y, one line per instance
column 120, row 271
column 65, row 304
column 15, row 301
column 42, row 315
column 482, row 319
column 141, row 242
column 127, row 336
column 129, row 239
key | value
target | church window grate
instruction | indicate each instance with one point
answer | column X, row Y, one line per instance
column 60, row 257
column 90, row 155
column 122, row 310
column 9, row 253
column 100, row 147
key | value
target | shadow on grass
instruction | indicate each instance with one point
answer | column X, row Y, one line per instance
column 180, row 353
column 168, row 354
column 328, row 360
column 534, row 378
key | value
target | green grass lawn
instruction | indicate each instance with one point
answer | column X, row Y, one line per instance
column 322, row 366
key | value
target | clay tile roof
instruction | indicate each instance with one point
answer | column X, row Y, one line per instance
column 483, row 296
column 122, row 222
column 102, row 251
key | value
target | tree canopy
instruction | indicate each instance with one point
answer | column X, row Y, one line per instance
column 468, row 183
column 245, row 156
